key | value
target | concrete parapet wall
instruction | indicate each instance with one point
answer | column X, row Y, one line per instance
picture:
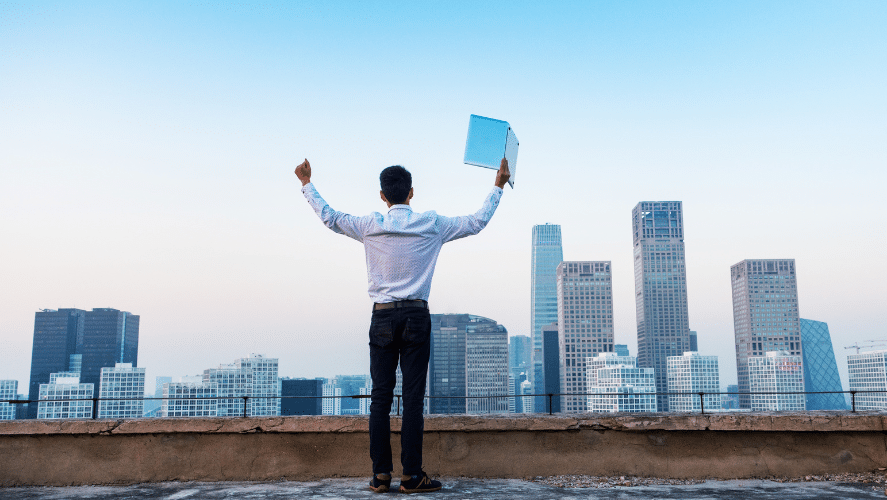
column 725, row 445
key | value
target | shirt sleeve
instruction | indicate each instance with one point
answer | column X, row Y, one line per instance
column 340, row 222
column 453, row 228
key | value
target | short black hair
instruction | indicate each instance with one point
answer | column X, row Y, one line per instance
column 396, row 183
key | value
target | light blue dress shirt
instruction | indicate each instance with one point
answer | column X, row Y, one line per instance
column 402, row 246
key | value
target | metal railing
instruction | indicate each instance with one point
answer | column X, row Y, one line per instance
column 517, row 397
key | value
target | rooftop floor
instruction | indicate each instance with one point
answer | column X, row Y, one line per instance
column 481, row 489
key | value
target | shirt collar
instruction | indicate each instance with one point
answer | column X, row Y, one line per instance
column 399, row 207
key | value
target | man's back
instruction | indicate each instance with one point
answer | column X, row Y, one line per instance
column 402, row 246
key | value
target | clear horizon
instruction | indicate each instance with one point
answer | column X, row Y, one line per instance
column 147, row 155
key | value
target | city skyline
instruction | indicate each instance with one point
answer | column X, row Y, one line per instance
column 148, row 155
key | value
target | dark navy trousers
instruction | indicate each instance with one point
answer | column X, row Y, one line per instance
column 404, row 335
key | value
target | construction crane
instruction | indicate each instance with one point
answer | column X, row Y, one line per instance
column 867, row 344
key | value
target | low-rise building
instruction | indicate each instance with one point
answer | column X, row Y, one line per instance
column 616, row 384
column 868, row 375
column 122, row 391
column 688, row 375
column 65, row 397
column 776, row 382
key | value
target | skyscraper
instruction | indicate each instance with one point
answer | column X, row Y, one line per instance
column 123, row 386
column 585, row 323
column 447, row 375
column 352, row 385
column 486, row 368
column 58, row 334
column 547, row 254
column 820, row 367
column 771, row 377
column 553, row 368
column 660, row 281
column 520, row 353
column 765, row 313
column 691, row 374
column 109, row 337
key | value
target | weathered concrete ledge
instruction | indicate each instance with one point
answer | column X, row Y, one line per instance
column 720, row 445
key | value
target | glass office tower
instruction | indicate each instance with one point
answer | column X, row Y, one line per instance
column 58, row 334
column 820, row 367
column 585, row 323
column 660, row 281
column 547, row 254
column 109, row 337
column 765, row 313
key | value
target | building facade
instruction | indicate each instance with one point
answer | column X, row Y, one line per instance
column 553, row 367
column 691, row 374
column 58, row 334
column 765, row 313
column 447, row 374
column 110, row 336
column 617, row 384
column 61, row 398
column 547, row 254
column 122, row 392
column 486, row 368
column 775, row 379
column 301, row 396
column 820, row 367
column 8, row 392
column 332, row 399
column 185, row 398
column 585, row 324
column 660, row 280
column 867, row 372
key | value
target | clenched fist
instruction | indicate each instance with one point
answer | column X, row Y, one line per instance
column 303, row 172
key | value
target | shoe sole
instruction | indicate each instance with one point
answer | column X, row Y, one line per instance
column 423, row 490
column 380, row 489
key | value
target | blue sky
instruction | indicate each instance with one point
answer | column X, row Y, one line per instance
column 147, row 149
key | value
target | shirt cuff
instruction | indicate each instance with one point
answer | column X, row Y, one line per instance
column 306, row 186
column 497, row 188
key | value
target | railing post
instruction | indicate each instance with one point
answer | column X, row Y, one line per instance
column 702, row 402
column 245, row 398
column 95, row 408
column 853, row 400
column 398, row 404
column 550, row 404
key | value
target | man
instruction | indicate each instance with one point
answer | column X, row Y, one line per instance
column 401, row 252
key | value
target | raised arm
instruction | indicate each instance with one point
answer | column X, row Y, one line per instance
column 453, row 228
column 339, row 222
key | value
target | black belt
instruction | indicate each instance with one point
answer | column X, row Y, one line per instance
column 401, row 303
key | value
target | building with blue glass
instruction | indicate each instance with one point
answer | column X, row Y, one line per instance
column 547, row 253
column 820, row 367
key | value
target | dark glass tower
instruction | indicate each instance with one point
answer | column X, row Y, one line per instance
column 547, row 253
column 820, row 367
column 302, row 405
column 109, row 336
column 552, row 366
column 57, row 335
column 660, row 282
